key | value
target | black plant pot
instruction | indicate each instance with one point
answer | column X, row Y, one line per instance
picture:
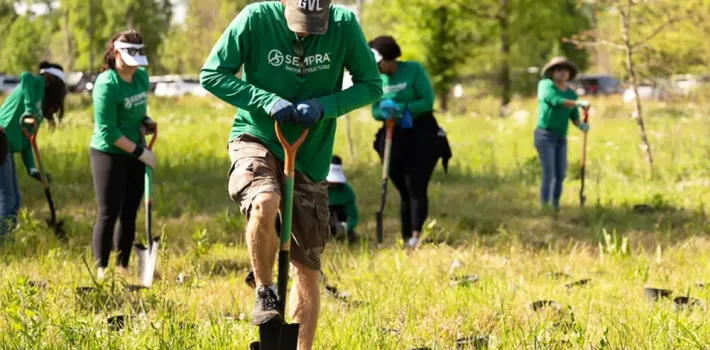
column 579, row 283
column 682, row 303
column 656, row 294
column 477, row 343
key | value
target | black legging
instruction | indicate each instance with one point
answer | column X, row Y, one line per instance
column 410, row 174
column 415, row 153
column 118, row 184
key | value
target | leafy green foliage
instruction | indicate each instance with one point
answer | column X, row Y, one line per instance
column 24, row 45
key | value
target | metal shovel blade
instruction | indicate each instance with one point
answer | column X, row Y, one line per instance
column 276, row 336
column 147, row 261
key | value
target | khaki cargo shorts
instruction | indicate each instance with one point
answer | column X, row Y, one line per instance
column 255, row 170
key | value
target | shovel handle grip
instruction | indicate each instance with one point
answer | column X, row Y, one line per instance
column 290, row 149
column 585, row 112
column 29, row 121
column 152, row 139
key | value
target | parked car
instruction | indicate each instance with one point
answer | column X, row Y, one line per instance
column 78, row 82
column 684, row 84
column 596, row 84
column 8, row 83
column 176, row 86
column 647, row 91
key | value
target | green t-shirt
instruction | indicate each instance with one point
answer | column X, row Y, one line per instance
column 25, row 100
column 344, row 196
column 259, row 41
column 410, row 87
column 552, row 114
column 119, row 109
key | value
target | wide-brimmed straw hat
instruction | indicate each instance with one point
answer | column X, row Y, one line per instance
column 559, row 62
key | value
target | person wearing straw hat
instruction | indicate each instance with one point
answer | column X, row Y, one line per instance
column 557, row 105
column 342, row 203
column 40, row 97
column 292, row 55
column 117, row 153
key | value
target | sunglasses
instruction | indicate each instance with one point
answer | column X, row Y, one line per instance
column 298, row 50
column 134, row 52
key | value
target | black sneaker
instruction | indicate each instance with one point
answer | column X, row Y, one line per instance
column 266, row 307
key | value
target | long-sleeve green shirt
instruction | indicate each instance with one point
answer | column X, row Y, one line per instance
column 410, row 87
column 344, row 196
column 552, row 114
column 119, row 109
column 260, row 42
column 25, row 100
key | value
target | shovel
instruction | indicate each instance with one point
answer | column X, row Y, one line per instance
column 58, row 226
column 148, row 256
column 274, row 336
column 582, row 198
column 389, row 126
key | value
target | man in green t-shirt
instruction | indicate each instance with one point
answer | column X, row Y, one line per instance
column 292, row 55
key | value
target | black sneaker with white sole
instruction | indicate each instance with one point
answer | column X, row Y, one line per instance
column 266, row 307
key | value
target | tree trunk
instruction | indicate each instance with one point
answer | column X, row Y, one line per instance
column 91, row 38
column 638, row 111
column 443, row 100
column 68, row 42
column 504, row 78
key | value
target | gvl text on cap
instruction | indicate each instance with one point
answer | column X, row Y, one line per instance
column 310, row 5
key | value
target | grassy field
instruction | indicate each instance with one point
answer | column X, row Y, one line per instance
column 641, row 227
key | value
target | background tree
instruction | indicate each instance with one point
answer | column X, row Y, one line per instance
column 640, row 23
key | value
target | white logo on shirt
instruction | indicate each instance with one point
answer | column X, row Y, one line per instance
column 313, row 63
column 310, row 5
column 394, row 88
column 135, row 100
column 276, row 58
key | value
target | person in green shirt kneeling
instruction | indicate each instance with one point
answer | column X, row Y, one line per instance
column 417, row 141
column 117, row 152
column 39, row 97
column 557, row 105
column 292, row 54
column 342, row 204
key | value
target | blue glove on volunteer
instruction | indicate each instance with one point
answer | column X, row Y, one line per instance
column 406, row 121
column 284, row 112
column 309, row 112
column 389, row 109
column 583, row 126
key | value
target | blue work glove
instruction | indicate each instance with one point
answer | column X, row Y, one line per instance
column 406, row 122
column 388, row 108
column 34, row 173
column 583, row 126
column 284, row 112
column 309, row 112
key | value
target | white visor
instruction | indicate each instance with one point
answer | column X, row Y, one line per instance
column 55, row 72
column 336, row 174
column 133, row 61
column 378, row 55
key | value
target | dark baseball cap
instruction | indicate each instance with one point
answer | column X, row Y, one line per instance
column 308, row 16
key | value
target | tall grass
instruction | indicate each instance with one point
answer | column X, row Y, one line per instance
column 484, row 216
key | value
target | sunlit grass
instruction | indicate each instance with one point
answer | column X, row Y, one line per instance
column 484, row 217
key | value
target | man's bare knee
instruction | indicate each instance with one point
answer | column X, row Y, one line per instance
column 265, row 206
column 305, row 274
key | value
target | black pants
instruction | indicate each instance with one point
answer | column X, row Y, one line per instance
column 118, row 184
column 415, row 153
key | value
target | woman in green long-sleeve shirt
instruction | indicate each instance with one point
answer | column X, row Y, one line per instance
column 417, row 142
column 118, row 154
column 557, row 106
column 39, row 97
